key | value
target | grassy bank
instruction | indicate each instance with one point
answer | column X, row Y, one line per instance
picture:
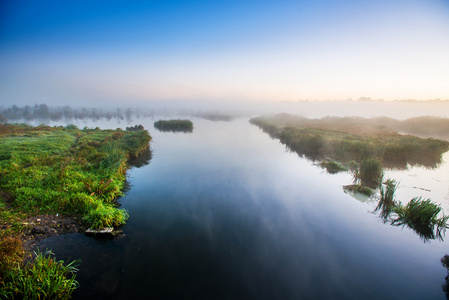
column 56, row 170
column 174, row 125
column 352, row 139
column 66, row 170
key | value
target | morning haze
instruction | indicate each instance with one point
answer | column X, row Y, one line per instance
column 224, row 149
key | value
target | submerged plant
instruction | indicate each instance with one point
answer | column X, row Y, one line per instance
column 387, row 203
column 422, row 216
column 332, row 167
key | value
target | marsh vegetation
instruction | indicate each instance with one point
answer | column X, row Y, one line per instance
column 423, row 216
column 366, row 147
column 43, row 277
column 67, row 170
column 57, row 170
column 174, row 125
column 355, row 139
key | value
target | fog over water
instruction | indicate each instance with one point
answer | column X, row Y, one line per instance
column 228, row 212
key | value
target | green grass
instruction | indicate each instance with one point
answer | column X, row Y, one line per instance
column 370, row 172
column 333, row 167
column 41, row 278
column 174, row 125
column 351, row 139
column 422, row 215
column 58, row 170
column 66, row 170
column 387, row 203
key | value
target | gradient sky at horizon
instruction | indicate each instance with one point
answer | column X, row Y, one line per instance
column 61, row 52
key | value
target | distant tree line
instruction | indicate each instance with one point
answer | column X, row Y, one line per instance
column 43, row 112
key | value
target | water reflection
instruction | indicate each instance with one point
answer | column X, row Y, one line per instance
column 394, row 150
column 225, row 213
column 142, row 159
column 420, row 215
column 445, row 262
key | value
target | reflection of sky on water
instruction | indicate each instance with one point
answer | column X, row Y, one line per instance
column 227, row 212
column 428, row 183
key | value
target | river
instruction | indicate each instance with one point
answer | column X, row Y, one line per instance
column 226, row 212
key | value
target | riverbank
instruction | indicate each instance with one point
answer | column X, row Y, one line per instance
column 355, row 139
column 57, row 180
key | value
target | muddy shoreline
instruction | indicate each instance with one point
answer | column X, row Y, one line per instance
column 40, row 227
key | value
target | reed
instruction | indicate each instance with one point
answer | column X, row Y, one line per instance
column 41, row 278
column 422, row 216
column 387, row 203
column 352, row 139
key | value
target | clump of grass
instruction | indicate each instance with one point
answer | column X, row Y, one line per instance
column 106, row 216
column 174, row 125
column 422, row 216
column 387, row 203
column 11, row 254
column 358, row 188
column 333, row 167
column 370, row 172
column 41, row 278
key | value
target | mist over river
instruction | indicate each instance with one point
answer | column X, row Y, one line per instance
column 226, row 212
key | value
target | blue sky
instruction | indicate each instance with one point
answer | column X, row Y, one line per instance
column 103, row 52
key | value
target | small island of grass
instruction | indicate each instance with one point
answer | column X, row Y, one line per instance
column 174, row 125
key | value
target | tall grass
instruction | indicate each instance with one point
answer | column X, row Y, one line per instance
column 66, row 170
column 370, row 172
column 422, row 216
column 348, row 139
column 41, row 278
column 387, row 203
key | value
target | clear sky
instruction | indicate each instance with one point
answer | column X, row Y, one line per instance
column 96, row 52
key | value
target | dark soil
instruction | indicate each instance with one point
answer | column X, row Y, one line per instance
column 44, row 226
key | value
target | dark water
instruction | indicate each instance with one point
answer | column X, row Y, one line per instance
column 226, row 212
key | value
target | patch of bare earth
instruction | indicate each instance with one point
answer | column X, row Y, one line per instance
column 41, row 227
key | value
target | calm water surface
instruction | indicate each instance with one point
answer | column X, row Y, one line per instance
column 228, row 213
